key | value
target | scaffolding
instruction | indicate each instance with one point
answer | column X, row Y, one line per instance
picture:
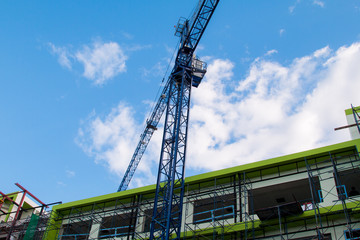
column 330, row 205
column 343, row 169
column 355, row 113
column 26, row 222
column 31, row 227
column 210, row 208
column 308, row 197
column 120, row 218
column 246, row 203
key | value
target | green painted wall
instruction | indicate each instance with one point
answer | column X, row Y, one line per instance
column 13, row 196
column 349, row 111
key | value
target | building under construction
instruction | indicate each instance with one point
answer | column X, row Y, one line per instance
column 307, row 195
column 22, row 215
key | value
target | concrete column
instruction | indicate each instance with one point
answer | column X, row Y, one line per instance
column 94, row 231
column 328, row 188
column 187, row 213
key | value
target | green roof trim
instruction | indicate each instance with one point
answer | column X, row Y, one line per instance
column 107, row 197
column 353, row 144
column 350, row 112
column 274, row 161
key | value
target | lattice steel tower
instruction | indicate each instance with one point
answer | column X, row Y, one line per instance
column 188, row 71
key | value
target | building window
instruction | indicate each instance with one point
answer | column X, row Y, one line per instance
column 350, row 183
column 214, row 208
column 76, row 231
column 286, row 198
column 352, row 234
column 115, row 226
column 148, row 219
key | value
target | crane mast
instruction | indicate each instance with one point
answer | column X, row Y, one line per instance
column 188, row 43
column 188, row 71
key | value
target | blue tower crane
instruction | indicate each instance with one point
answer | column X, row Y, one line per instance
column 188, row 71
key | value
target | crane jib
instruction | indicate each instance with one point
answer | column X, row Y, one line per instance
column 151, row 126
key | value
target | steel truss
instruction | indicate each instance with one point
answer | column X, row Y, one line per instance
column 190, row 33
column 150, row 128
column 170, row 183
column 188, row 71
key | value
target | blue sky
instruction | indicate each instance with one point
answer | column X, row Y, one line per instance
column 78, row 79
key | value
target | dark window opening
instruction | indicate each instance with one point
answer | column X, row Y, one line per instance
column 215, row 208
column 286, row 198
column 77, row 230
column 349, row 183
column 148, row 219
column 353, row 234
column 118, row 225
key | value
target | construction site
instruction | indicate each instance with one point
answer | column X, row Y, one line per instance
column 307, row 195
column 313, row 194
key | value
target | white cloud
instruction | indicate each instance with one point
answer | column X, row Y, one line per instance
column 319, row 3
column 281, row 32
column 276, row 109
column 271, row 52
column 112, row 139
column 292, row 7
column 70, row 174
column 63, row 55
column 102, row 61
